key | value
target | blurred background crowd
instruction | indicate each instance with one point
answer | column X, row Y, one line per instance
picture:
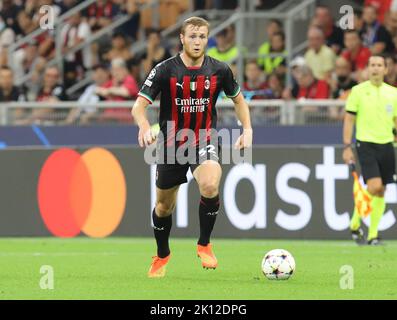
column 333, row 61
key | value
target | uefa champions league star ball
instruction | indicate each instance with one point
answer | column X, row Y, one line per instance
column 278, row 264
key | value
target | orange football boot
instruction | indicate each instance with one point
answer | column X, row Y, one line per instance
column 158, row 267
column 208, row 259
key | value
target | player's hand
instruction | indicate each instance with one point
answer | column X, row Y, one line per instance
column 348, row 155
column 146, row 136
column 245, row 140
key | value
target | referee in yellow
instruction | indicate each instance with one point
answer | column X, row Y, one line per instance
column 372, row 108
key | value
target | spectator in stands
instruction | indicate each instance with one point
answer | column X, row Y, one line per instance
column 391, row 76
column 274, row 91
column 275, row 84
column 31, row 57
column 292, row 90
column 8, row 14
column 312, row 88
column 8, row 29
column 134, row 68
column 382, row 7
column 319, row 57
column 225, row 49
column 155, row 51
column 274, row 26
column 25, row 23
column 46, row 41
column 119, row 48
column 342, row 80
column 74, row 33
column 51, row 91
column 391, row 23
column 272, row 54
column 10, row 92
column 28, row 61
column 101, row 13
column 374, row 35
column 100, row 76
column 66, row 5
column 358, row 19
column 332, row 33
column 257, row 88
column 131, row 27
column 355, row 52
column 121, row 87
column 255, row 85
column 7, row 37
column 391, row 26
column 341, row 85
column 309, row 86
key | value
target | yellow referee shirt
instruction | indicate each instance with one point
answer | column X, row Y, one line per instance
column 375, row 109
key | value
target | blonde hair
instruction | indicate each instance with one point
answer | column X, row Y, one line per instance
column 195, row 21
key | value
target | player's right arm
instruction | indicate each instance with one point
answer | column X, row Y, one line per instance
column 138, row 111
column 348, row 126
column 149, row 91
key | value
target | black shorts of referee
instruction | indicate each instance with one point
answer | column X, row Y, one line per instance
column 377, row 161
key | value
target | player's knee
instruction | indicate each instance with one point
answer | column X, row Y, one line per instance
column 164, row 209
column 209, row 188
column 376, row 189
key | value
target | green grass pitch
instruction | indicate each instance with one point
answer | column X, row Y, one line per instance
column 115, row 268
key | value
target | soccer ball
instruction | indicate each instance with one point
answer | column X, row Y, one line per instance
column 278, row 264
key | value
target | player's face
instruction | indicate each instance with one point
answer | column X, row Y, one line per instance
column 377, row 68
column 194, row 41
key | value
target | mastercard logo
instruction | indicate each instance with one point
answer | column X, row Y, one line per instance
column 81, row 193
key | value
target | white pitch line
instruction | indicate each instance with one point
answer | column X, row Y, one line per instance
column 55, row 254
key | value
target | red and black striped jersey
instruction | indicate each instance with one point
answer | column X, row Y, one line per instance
column 188, row 94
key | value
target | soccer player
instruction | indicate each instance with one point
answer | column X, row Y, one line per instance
column 372, row 108
column 189, row 84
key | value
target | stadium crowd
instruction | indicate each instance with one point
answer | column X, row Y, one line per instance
column 334, row 61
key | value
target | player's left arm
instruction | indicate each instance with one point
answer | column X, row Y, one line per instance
column 243, row 114
column 233, row 91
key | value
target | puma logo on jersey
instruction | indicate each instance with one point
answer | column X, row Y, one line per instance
column 193, row 85
column 212, row 213
column 158, row 229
